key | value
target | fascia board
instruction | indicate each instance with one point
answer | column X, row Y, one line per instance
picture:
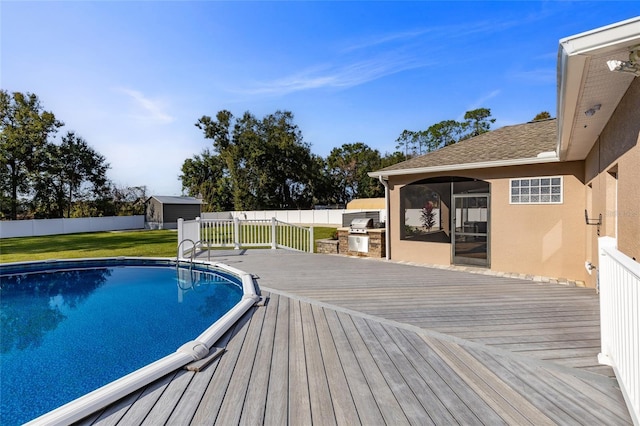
column 466, row 166
column 571, row 72
column 600, row 39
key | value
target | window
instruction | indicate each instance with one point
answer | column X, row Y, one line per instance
column 536, row 190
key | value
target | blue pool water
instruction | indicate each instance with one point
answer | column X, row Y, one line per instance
column 68, row 332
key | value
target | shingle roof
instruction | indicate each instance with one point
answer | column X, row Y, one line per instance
column 164, row 199
column 516, row 142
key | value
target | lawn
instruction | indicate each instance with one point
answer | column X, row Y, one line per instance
column 97, row 244
column 101, row 244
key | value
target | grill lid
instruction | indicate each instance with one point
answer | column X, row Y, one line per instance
column 361, row 223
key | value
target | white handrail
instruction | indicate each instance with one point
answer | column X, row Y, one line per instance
column 240, row 233
column 619, row 283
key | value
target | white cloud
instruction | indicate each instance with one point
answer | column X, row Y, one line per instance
column 147, row 108
column 480, row 102
column 343, row 76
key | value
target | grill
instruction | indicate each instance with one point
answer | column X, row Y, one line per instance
column 360, row 225
column 358, row 238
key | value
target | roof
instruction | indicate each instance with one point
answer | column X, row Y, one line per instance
column 588, row 91
column 528, row 143
column 167, row 199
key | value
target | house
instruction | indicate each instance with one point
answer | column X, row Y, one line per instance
column 534, row 198
column 163, row 212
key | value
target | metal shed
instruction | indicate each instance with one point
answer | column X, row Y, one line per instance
column 163, row 212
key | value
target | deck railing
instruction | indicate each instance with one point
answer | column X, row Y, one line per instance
column 619, row 284
column 237, row 234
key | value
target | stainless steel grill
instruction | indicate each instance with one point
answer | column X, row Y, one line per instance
column 360, row 226
column 359, row 240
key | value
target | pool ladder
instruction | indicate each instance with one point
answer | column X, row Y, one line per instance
column 193, row 251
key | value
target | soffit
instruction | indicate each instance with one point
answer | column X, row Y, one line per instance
column 586, row 81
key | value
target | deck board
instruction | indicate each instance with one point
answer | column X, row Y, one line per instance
column 330, row 348
column 277, row 403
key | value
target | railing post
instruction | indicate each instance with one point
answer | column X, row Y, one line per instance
column 199, row 239
column 180, row 237
column 274, row 233
column 236, row 233
column 311, row 240
column 603, row 271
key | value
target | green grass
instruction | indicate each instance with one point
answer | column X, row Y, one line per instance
column 98, row 244
column 101, row 244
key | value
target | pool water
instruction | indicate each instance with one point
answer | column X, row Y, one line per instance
column 68, row 332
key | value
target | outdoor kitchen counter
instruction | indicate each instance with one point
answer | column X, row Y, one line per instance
column 376, row 242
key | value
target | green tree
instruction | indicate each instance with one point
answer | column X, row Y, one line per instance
column 266, row 162
column 68, row 172
column 24, row 130
column 544, row 115
column 349, row 165
column 478, row 121
column 444, row 133
column 414, row 143
column 128, row 200
column 205, row 176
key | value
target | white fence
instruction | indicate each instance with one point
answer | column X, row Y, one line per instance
column 236, row 233
column 307, row 217
column 37, row 227
column 619, row 283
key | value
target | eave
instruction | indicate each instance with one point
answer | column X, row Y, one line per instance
column 585, row 82
column 541, row 159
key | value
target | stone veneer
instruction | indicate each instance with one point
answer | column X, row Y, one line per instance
column 327, row 246
column 376, row 243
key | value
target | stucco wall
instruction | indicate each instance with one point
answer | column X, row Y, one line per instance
column 612, row 171
column 547, row 240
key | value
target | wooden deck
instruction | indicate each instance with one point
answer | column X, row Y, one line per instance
column 354, row 341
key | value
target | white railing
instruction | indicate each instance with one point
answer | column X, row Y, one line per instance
column 619, row 284
column 293, row 237
column 188, row 236
column 239, row 233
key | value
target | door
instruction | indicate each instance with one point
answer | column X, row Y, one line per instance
column 470, row 239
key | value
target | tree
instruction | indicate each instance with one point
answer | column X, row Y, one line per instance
column 24, row 129
column 266, row 162
column 349, row 165
column 478, row 122
column 444, row 133
column 67, row 172
column 128, row 200
column 205, row 176
column 544, row 115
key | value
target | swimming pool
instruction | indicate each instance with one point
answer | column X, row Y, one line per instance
column 71, row 327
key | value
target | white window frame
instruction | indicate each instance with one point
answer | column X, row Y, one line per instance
column 535, row 186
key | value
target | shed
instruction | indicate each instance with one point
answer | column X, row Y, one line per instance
column 163, row 212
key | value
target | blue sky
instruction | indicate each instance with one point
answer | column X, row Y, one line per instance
column 132, row 78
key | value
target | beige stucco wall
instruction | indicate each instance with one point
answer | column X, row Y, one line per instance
column 546, row 240
column 366, row 203
column 612, row 173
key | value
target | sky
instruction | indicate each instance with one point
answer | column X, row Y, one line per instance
column 133, row 77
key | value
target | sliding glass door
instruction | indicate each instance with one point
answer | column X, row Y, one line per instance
column 470, row 239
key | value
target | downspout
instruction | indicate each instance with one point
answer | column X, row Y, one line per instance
column 387, row 235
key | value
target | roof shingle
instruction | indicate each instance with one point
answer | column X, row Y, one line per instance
column 506, row 143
